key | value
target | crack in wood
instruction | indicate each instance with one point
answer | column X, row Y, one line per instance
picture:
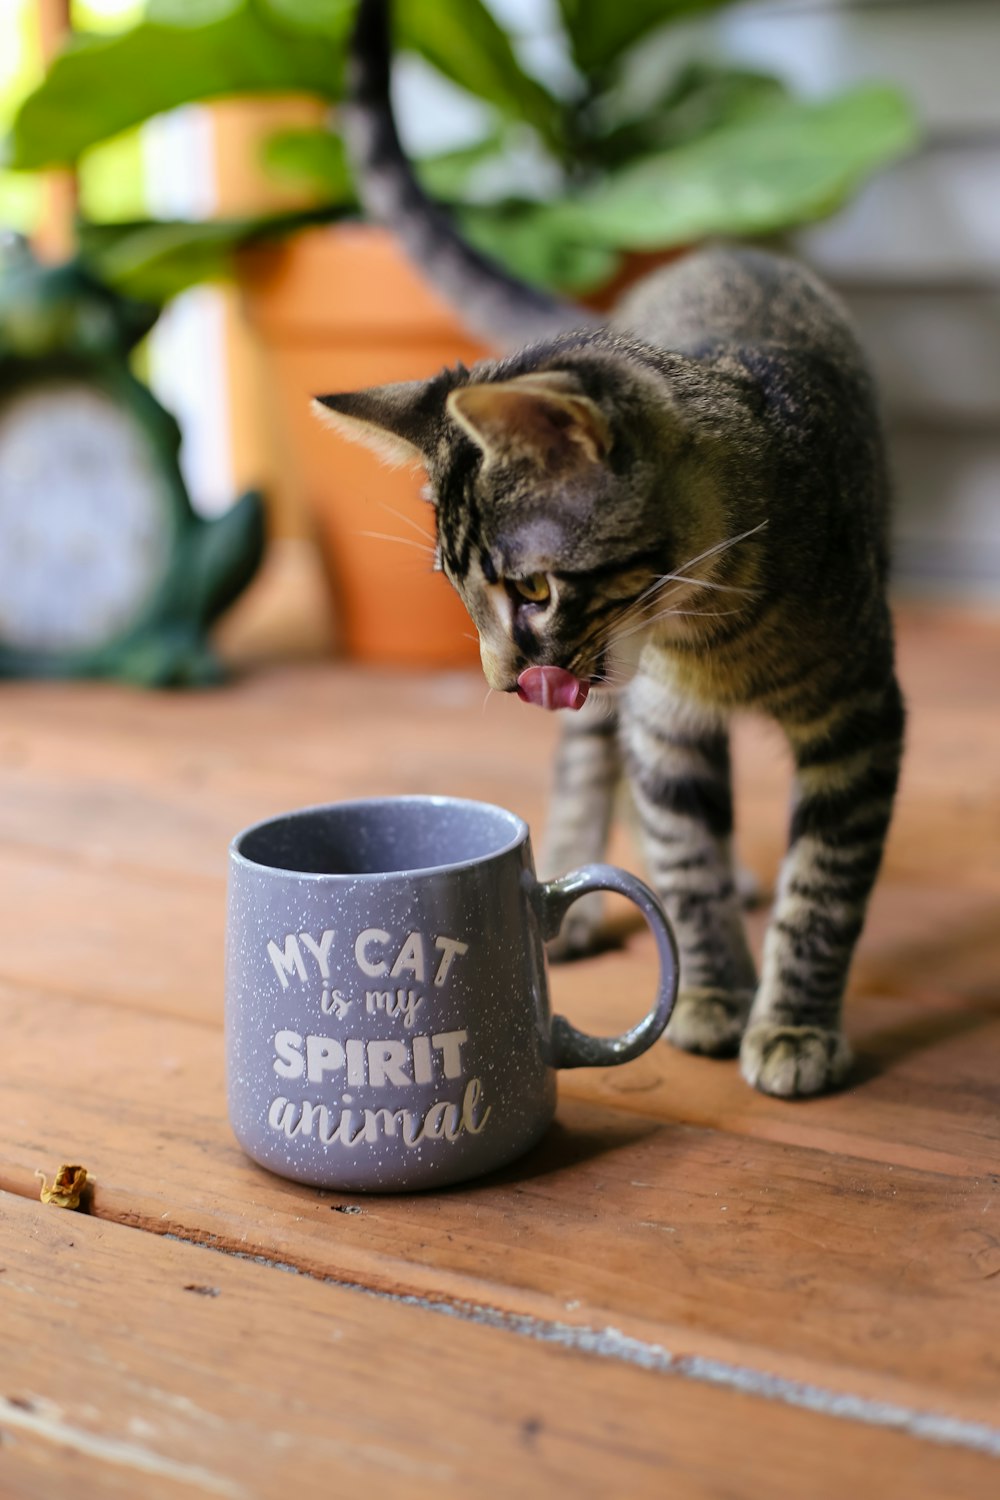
column 610, row 1343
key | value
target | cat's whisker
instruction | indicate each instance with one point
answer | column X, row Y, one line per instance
column 408, row 521
column 636, row 615
column 670, row 613
column 709, row 583
column 611, row 675
column 722, row 546
column 404, row 541
column 604, row 698
column 636, row 611
column 683, row 574
column 692, row 614
column 705, row 614
column 624, row 635
column 658, row 583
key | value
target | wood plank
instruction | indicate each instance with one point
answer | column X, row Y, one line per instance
column 109, row 779
column 128, row 883
column 165, row 789
column 864, row 1275
column 922, row 1019
column 168, row 789
column 848, row 1243
column 163, row 782
column 187, row 1382
column 927, row 1052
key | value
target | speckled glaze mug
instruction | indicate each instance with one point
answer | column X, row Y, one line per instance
column 387, row 1012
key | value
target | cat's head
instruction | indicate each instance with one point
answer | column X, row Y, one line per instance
column 552, row 519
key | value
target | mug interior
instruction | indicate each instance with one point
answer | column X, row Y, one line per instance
column 385, row 836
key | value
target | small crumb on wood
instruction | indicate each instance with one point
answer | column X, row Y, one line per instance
column 202, row 1291
column 530, row 1428
column 68, row 1187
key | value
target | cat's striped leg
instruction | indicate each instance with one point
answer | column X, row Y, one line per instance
column 678, row 767
column 586, row 777
column 847, row 767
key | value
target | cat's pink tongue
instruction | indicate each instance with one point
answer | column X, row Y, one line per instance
column 551, row 687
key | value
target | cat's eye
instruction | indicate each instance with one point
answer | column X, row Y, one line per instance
column 534, row 589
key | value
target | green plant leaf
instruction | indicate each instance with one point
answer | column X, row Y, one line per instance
column 190, row 50
column 311, row 157
column 530, row 242
column 600, row 31
column 188, row 13
column 316, row 158
column 153, row 260
column 793, row 164
column 697, row 100
column 330, row 18
column 447, row 175
column 464, row 42
column 103, row 84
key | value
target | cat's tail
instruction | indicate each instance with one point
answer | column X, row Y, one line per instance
column 492, row 303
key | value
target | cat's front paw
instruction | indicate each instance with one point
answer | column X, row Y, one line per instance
column 709, row 1021
column 793, row 1061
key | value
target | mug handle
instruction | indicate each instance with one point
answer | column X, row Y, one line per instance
column 577, row 1049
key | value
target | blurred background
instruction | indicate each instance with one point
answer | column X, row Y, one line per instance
column 188, row 148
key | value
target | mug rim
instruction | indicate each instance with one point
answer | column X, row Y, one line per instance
column 519, row 835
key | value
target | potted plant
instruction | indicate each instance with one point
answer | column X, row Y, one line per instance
column 566, row 183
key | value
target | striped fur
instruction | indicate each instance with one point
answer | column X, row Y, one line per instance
column 700, row 486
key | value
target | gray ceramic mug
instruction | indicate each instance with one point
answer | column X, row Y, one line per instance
column 387, row 1011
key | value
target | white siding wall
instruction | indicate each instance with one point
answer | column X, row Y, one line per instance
column 916, row 256
column 187, row 347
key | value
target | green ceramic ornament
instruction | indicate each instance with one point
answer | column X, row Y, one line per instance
column 105, row 569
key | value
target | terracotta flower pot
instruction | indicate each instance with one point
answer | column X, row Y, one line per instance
column 335, row 309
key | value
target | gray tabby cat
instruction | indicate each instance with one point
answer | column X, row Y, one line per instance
column 680, row 514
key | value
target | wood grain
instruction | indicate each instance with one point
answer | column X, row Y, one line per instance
column 849, row 1244
column 138, row 1360
column 806, row 1253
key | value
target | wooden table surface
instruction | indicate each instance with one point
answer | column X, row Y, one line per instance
column 687, row 1290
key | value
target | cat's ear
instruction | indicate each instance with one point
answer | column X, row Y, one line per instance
column 542, row 416
column 399, row 422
